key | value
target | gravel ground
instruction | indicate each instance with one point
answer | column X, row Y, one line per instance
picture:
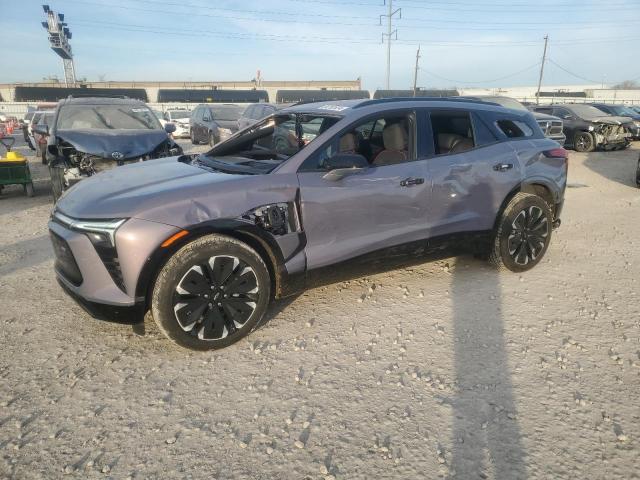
column 443, row 368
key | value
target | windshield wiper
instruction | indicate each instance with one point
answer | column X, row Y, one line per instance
column 138, row 119
column 102, row 118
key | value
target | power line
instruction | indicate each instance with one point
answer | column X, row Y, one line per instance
column 571, row 73
column 484, row 81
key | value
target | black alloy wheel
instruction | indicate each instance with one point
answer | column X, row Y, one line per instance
column 216, row 298
column 211, row 293
column 528, row 236
column 523, row 233
column 584, row 142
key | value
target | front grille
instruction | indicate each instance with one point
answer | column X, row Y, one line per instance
column 550, row 127
column 555, row 128
column 65, row 262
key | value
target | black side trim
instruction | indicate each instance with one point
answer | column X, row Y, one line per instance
column 111, row 313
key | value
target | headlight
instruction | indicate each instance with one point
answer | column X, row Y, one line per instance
column 101, row 234
column 591, row 128
column 96, row 230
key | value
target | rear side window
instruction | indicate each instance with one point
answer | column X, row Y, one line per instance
column 452, row 132
column 514, row 128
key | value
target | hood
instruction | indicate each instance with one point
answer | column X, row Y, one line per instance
column 103, row 143
column 147, row 190
column 611, row 120
column 544, row 116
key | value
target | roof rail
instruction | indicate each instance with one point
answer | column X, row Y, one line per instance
column 421, row 99
column 97, row 95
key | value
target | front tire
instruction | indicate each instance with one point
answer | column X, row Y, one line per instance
column 193, row 138
column 57, row 182
column 523, row 233
column 211, row 293
column 584, row 142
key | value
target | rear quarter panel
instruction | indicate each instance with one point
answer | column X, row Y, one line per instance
column 539, row 169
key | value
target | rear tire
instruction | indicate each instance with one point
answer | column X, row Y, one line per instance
column 584, row 142
column 211, row 293
column 523, row 233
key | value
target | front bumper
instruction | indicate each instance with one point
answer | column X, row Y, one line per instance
column 91, row 280
column 182, row 131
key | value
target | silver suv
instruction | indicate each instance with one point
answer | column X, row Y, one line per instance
column 207, row 241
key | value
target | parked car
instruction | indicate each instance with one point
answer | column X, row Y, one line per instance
column 180, row 118
column 551, row 126
column 587, row 128
column 40, row 137
column 35, row 118
column 26, row 125
column 258, row 111
column 632, row 126
column 89, row 135
column 213, row 123
column 635, row 108
column 206, row 241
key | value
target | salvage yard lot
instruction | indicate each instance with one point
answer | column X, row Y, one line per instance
column 421, row 368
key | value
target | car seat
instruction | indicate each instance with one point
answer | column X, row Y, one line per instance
column 394, row 137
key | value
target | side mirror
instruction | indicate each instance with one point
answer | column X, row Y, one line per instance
column 41, row 129
column 344, row 164
column 170, row 128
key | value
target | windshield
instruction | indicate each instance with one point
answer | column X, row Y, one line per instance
column 266, row 144
column 587, row 111
column 124, row 117
column 178, row 114
column 506, row 102
column 622, row 111
column 226, row 112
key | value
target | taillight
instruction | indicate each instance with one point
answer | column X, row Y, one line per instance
column 556, row 153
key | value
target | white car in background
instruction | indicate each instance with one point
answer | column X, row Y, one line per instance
column 180, row 118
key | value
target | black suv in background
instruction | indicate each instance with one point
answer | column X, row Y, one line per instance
column 551, row 126
column 214, row 123
column 622, row 111
column 588, row 128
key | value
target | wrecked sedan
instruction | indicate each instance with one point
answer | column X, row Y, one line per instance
column 633, row 118
column 89, row 135
column 207, row 241
column 588, row 129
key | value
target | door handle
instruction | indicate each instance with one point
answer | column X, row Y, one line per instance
column 502, row 167
column 407, row 182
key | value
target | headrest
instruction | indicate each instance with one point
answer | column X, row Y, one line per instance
column 394, row 137
column 348, row 143
column 447, row 140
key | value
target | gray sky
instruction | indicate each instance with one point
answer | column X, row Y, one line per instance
column 464, row 43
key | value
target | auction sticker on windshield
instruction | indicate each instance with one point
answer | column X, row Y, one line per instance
column 334, row 108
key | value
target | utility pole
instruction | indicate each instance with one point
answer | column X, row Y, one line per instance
column 389, row 33
column 415, row 73
column 544, row 57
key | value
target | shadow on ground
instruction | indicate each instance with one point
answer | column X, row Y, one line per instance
column 25, row 254
column 620, row 166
